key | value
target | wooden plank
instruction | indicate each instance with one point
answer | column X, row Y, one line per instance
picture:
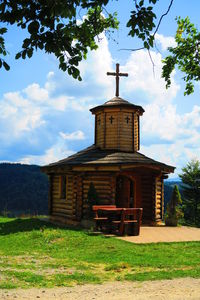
column 104, row 130
column 97, row 185
column 63, row 211
column 62, row 203
column 57, row 214
column 83, row 168
column 96, row 176
column 95, row 130
column 57, row 206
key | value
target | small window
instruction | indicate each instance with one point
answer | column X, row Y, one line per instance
column 63, row 186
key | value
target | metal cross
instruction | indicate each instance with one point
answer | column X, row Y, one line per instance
column 111, row 119
column 117, row 74
column 127, row 119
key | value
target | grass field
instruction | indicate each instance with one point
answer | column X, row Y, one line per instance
column 34, row 253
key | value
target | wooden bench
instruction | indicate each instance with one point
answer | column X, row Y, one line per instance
column 100, row 220
column 131, row 221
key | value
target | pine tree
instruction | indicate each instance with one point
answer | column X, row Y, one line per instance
column 191, row 192
column 174, row 212
column 92, row 199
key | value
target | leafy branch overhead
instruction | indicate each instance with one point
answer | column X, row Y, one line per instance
column 186, row 55
column 69, row 28
column 57, row 27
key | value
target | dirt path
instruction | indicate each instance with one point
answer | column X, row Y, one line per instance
column 177, row 289
column 165, row 234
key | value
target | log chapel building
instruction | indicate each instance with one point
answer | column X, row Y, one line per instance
column 120, row 174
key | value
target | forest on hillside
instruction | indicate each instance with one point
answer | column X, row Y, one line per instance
column 24, row 190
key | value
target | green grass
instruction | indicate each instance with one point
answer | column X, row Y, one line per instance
column 37, row 254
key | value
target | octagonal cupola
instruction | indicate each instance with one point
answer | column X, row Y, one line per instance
column 117, row 122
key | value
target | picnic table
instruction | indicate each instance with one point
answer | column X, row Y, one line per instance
column 118, row 219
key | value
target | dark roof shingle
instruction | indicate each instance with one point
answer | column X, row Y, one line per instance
column 95, row 156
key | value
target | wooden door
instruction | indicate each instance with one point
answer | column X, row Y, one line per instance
column 124, row 192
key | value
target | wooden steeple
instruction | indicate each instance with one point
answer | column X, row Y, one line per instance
column 117, row 122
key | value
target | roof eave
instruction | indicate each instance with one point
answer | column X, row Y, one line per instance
column 70, row 166
column 102, row 107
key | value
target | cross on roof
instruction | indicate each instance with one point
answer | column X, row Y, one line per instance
column 99, row 120
column 111, row 119
column 117, row 74
column 127, row 119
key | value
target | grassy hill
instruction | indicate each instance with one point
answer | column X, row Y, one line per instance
column 35, row 253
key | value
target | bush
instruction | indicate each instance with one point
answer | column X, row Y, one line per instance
column 174, row 211
column 93, row 199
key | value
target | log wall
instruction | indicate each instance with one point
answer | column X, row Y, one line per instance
column 136, row 132
column 111, row 134
column 117, row 129
column 148, row 195
column 126, row 131
column 62, row 208
column 104, row 185
column 159, row 197
column 75, row 206
column 100, row 125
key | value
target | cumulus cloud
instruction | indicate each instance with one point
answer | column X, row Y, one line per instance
column 36, row 93
column 19, row 115
column 141, row 77
column 42, row 124
column 53, row 154
column 165, row 41
column 77, row 135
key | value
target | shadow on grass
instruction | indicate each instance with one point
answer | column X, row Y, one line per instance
column 29, row 224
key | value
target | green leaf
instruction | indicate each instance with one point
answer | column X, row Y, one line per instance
column 141, row 3
column 26, row 43
column 18, row 55
column 23, row 54
column 6, row 66
column 30, row 52
column 33, row 27
column 3, row 30
column 146, row 45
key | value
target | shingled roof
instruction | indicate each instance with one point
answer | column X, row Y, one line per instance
column 118, row 102
column 93, row 156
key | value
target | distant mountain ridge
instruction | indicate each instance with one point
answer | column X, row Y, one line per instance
column 24, row 189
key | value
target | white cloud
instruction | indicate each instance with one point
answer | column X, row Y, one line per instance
column 53, row 154
column 58, row 111
column 193, row 118
column 19, row 114
column 161, row 121
column 165, row 41
column 36, row 93
column 141, row 77
column 77, row 135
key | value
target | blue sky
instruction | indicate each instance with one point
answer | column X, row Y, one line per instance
column 45, row 113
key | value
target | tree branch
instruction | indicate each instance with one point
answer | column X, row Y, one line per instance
column 136, row 49
column 169, row 7
column 152, row 62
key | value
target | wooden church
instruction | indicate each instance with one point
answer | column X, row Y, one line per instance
column 120, row 174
